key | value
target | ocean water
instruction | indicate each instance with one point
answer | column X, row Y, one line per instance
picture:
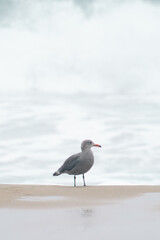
column 39, row 131
column 73, row 70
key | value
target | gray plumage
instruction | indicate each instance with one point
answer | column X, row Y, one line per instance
column 79, row 163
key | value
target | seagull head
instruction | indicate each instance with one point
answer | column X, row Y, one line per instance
column 88, row 144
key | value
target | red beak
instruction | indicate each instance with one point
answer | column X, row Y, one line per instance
column 96, row 145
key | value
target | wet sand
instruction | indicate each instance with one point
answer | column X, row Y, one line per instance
column 65, row 196
column 97, row 212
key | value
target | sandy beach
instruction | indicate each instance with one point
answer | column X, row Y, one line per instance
column 62, row 212
column 48, row 196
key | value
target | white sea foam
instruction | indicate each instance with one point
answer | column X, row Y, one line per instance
column 91, row 46
column 72, row 70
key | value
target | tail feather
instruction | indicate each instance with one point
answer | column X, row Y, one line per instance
column 56, row 173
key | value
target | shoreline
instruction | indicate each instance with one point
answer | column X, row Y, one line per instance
column 51, row 196
column 93, row 212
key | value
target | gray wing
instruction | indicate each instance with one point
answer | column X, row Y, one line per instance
column 70, row 163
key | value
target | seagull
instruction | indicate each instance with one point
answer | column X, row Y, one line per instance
column 79, row 163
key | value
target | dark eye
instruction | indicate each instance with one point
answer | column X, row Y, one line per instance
column 90, row 142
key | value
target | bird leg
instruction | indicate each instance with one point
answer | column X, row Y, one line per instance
column 74, row 181
column 84, row 180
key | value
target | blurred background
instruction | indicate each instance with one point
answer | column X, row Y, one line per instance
column 80, row 69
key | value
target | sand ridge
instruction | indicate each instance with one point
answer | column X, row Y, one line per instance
column 15, row 196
